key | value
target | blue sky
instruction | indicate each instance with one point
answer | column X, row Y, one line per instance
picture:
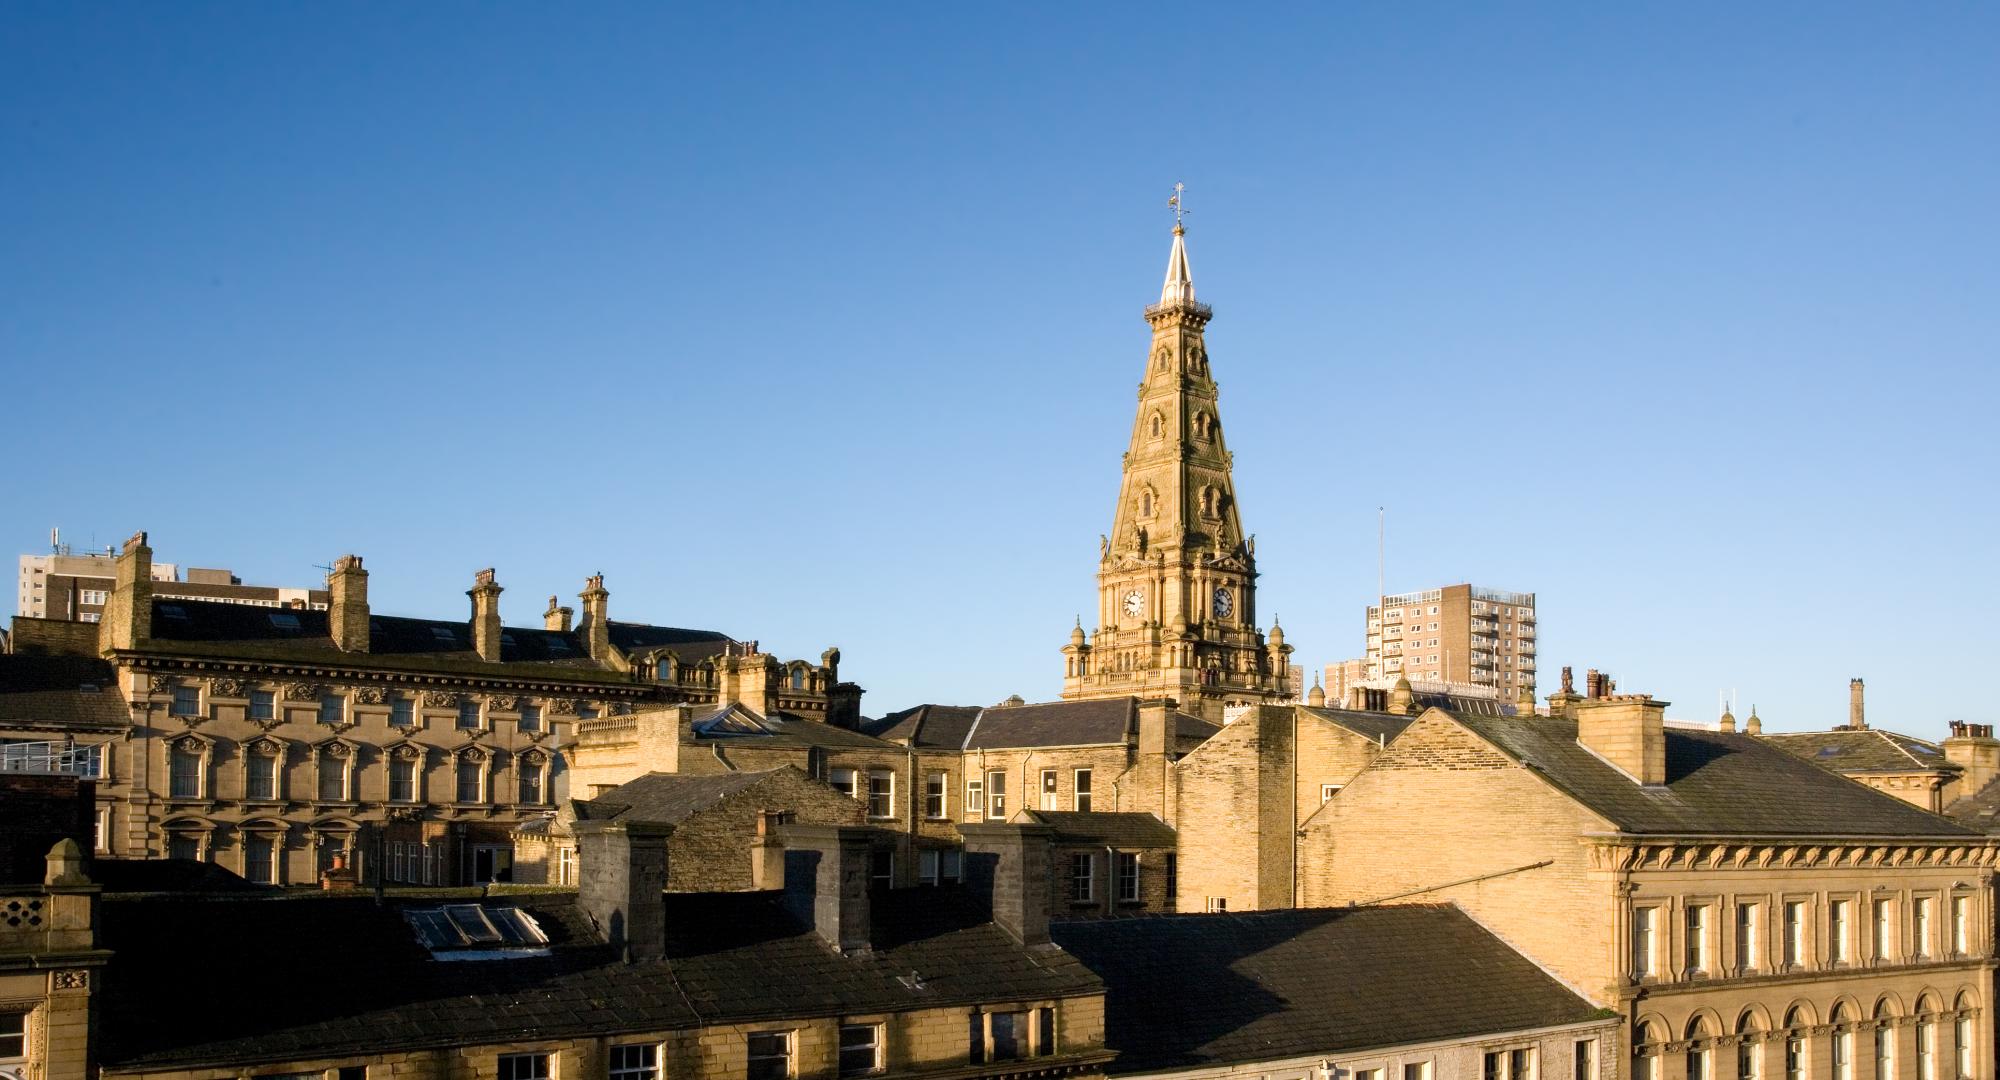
column 820, row 324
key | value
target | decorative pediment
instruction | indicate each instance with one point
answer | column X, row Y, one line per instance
column 338, row 749
column 190, row 743
column 473, row 752
column 407, row 751
column 265, row 746
column 534, row 758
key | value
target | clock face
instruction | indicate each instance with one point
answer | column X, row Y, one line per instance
column 1135, row 603
column 1224, row 603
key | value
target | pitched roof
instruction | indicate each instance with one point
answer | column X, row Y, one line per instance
column 936, row 727
column 63, row 692
column 1863, row 750
column 1379, row 726
column 688, row 646
column 669, row 798
column 783, row 730
column 1281, row 984
column 1717, row 784
column 1054, row 723
column 357, row 982
column 1979, row 810
column 1119, row 829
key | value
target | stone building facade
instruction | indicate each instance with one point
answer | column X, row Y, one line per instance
column 1737, row 906
column 284, row 743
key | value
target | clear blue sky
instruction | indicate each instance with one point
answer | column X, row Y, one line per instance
column 821, row 324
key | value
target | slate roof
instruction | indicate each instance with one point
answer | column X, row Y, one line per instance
column 1979, row 810
column 1105, row 721
column 1717, row 784
column 932, row 727
column 356, row 982
column 668, row 798
column 1185, row 991
column 41, row 692
column 1379, row 726
column 789, row 731
column 1119, row 829
column 1850, row 750
column 688, row 646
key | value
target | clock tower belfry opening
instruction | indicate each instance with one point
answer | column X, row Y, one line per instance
column 1177, row 575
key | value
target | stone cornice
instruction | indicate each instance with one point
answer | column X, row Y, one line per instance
column 1627, row 854
column 292, row 671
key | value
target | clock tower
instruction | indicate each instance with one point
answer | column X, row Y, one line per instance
column 1177, row 576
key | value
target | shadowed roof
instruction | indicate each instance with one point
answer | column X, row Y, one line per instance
column 1197, row 990
column 71, row 692
column 1379, row 726
column 1119, row 829
column 669, row 798
column 356, row 982
column 937, row 727
column 1717, row 783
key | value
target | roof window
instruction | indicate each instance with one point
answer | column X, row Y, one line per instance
column 477, row 932
column 283, row 620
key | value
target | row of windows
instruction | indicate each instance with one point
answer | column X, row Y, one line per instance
column 1840, row 940
column 471, row 714
column 1083, row 887
column 189, row 776
column 1796, row 1044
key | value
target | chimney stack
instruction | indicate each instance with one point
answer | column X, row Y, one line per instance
column 347, row 604
column 1627, row 730
column 1857, row 712
column 128, row 611
column 826, row 881
column 1007, row 865
column 485, row 595
column 596, row 632
column 1972, row 748
column 557, row 617
column 624, row 877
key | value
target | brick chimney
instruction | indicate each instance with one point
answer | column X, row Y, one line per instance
column 623, row 878
column 1973, row 748
column 1627, row 730
column 557, row 617
column 347, row 604
column 1007, row 865
column 826, row 881
column 1857, row 710
column 485, row 593
column 843, row 705
column 596, row 631
column 128, row 611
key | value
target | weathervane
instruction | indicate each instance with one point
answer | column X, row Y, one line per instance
column 1178, row 203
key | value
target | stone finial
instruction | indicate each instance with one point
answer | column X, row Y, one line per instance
column 1727, row 723
column 1569, row 681
column 1402, row 698
column 65, row 864
column 1753, row 726
column 1316, row 697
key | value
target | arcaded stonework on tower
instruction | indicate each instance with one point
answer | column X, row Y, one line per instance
column 1177, row 576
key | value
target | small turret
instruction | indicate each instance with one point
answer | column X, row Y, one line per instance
column 1316, row 697
column 1753, row 726
column 1402, row 699
column 1728, row 721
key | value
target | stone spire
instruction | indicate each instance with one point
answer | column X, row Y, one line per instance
column 1179, row 286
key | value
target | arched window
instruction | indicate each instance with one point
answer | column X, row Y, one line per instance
column 332, row 763
column 470, row 778
column 263, row 763
column 1146, row 503
column 1208, row 501
column 798, row 678
column 1843, row 1041
column 1749, row 1047
column 1796, row 1023
column 1961, row 1036
column 1159, row 425
column 1927, row 1016
column 187, row 768
column 533, row 768
column 1699, row 1049
column 1648, row 1063
column 1204, row 425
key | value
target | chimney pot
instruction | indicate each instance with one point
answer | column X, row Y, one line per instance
column 485, row 594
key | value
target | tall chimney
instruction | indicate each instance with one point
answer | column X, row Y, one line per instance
column 128, row 611
column 1627, row 730
column 826, row 881
column 347, row 604
column 624, row 874
column 557, row 617
column 485, row 595
column 1857, row 712
column 1007, row 864
column 596, row 632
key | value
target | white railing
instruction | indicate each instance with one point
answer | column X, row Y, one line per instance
column 49, row 757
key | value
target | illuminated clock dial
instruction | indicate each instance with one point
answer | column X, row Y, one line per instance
column 1224, row 603
column 1135, row 603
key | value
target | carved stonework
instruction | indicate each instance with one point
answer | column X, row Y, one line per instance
column 473, row 753
column 339, row 751
column 440, row 699
column 408, row 752
column 563, row 706
column 533, row 758
column 269, row 723
column 266, row 747
column 160, row 684
column 228, row 688
column 621, row 708
column 537, row 735
column 504, row 703
column 188, row 744
column 301, row 691
column 370, row 695
column 77, row 979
